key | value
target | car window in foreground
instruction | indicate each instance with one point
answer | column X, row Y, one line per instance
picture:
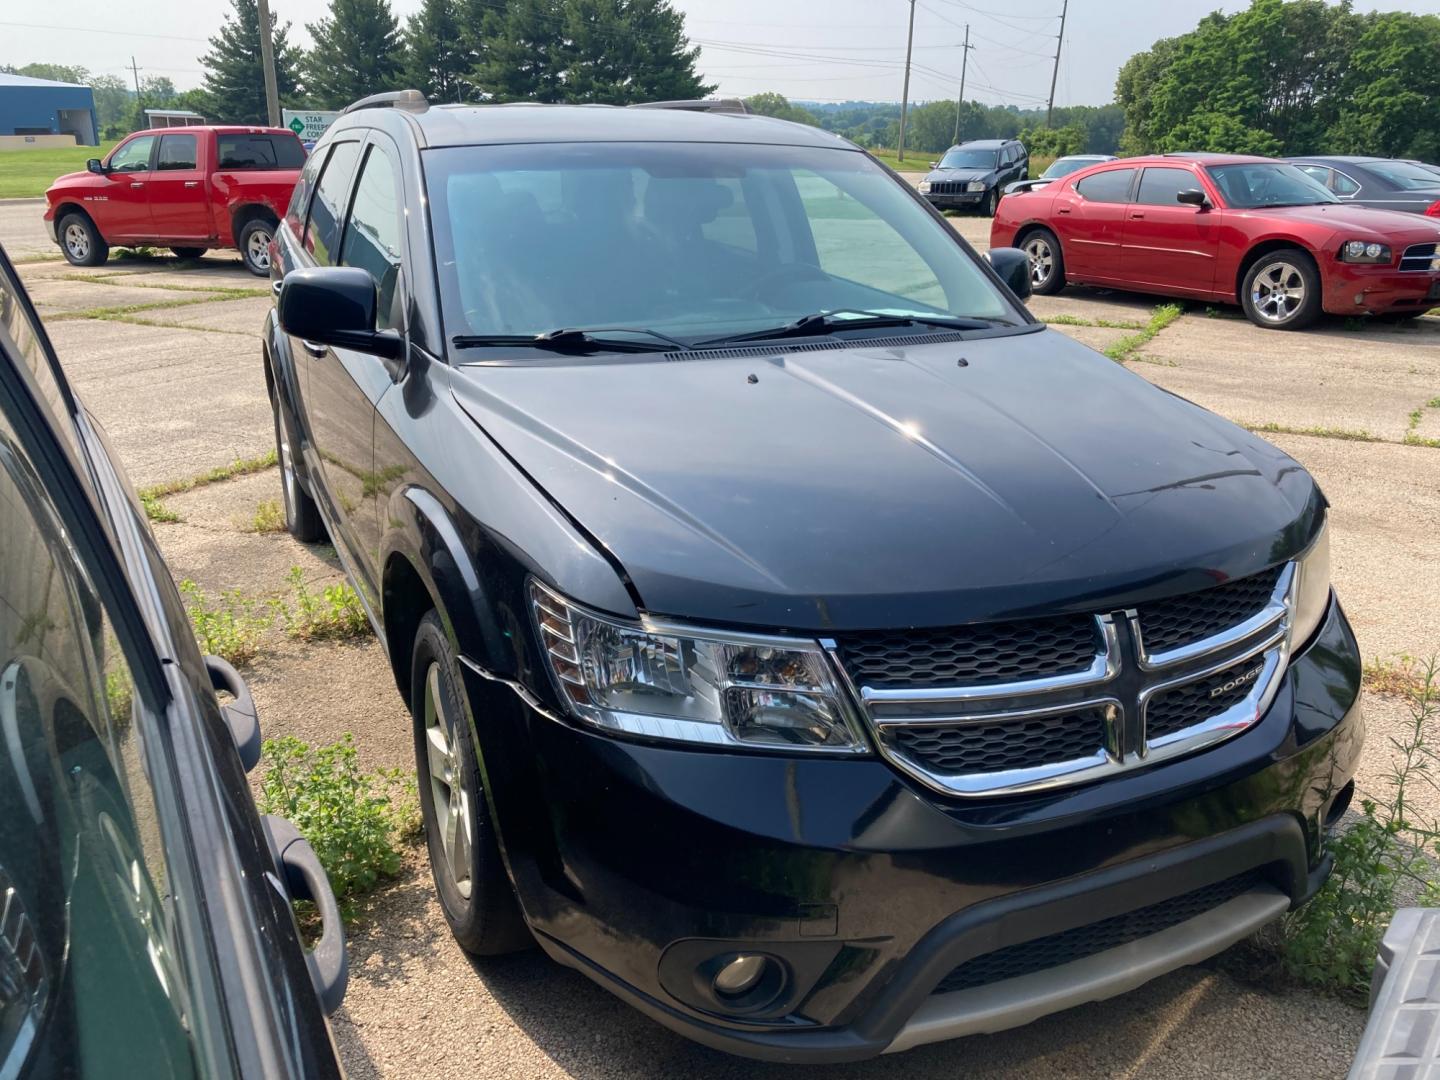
column 372, row 235
column 970, row 159
column 327, row 208
column 689, row 240
column 1404, row 175
column 259, row 152
column 1251, row 185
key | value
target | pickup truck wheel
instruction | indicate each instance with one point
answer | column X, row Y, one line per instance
column 302, row 516
column 1282, row 290
column 189, row 252
column 255, row 240
column 81, row 243
column 470, row 877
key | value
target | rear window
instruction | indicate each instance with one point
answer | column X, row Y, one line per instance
column 259, row 152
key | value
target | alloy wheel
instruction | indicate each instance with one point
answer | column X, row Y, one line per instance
column 77, row 241
column 447, row 787
column 1042, row 260
column 1277, row 292
column 257, row 249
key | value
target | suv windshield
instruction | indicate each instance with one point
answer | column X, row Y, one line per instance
column 969, row 159
column 688, row 240
column 1066, row 165
column 1257, row 184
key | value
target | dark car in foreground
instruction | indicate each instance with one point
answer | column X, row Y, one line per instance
column 1380, row 183
column 1062, row 166
column 1227, row 228
column 145, row 908
column 975, row 174
column 801, row 640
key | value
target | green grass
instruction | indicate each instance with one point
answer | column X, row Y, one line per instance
column 1127, row 346
column 25, row 174
column 919, row 161
column 1343, row 434
column 150, row 497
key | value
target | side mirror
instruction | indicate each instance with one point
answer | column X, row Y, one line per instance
column 1192, row 197
column 934, row 164
column 1013, row 266
column 335, row 305
column 94, row 165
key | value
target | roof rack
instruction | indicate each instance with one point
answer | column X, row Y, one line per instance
column 720, row 105
column 409, row 100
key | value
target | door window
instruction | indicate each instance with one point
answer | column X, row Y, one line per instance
column 176, row 152
column 300, row 197
column 1318, row 172
column 327, row 208
column 1112, row 186
column 20, row 337
column 372, row 235
column 134, row 156
column 1159, row 187
column 1342, row 184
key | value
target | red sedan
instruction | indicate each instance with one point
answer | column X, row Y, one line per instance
column 1221, row 227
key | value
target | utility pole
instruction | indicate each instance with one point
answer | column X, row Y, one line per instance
column 1055, row 74
column 267, row 61
column 905, row 96
column 139, row 104
column 959, row 101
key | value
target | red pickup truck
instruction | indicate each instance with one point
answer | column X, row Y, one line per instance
column 189, row 189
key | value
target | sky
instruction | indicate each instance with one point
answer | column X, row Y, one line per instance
column 815, row 50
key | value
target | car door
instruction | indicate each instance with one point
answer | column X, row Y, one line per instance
column 1089, row 218
column 179, row 199
column 1168, row 245
column 121, row 210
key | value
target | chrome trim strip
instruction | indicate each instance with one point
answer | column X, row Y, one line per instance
column 1278, row 608
column 1103, row 668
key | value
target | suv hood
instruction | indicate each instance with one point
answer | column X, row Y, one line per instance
column 870, row 486
column 960, row 174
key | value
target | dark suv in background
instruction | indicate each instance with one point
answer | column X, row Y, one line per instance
column 145, row 923
column 975, row 174
column 802, row 641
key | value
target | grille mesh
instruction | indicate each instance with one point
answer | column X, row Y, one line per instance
column 1183, row 620
column 1191, row 704
column 1417, row 257
column 971, row 655
column 1006, row 744
column 1097, row 937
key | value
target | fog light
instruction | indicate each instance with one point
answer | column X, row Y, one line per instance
column 740, row 975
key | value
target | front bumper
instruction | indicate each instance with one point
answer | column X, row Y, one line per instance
column 964, row 200
column 50, row 226
column 634, row 862
column 1361, row 290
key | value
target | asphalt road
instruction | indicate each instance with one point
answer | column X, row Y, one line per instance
column 179, row 388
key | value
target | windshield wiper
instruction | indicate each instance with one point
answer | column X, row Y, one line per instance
column 572, row 340
column 827, row 322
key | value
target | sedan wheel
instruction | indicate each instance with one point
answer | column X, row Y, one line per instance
column 1278, row 292
column 447, row 792
column 1281, row 290
column 1042, row 260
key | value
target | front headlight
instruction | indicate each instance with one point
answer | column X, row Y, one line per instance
column 1363, row 251
column 1311, row 589
column 975, row 185
column 924, row 187
column 690, row 685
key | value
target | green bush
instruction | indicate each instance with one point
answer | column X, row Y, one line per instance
column 334, row 612
column 354, row 820
column 230, row 627
column 1385, row 858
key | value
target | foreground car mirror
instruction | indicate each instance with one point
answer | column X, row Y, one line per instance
column 1192, row 197
column 1013, row 266
column 934, row 164
column 95, row 166
column 335, row 305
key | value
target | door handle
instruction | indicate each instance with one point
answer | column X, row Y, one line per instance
column 1063, row 210
column 192, row 183
column 137, row 183
column 1137, row 216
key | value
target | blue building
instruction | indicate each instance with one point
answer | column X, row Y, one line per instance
column 31, row 107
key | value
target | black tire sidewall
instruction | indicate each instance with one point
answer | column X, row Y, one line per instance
column 1308, row 311
column 992, row 202
column 99, row 249
column 1056, row 281
column 302, row 520
column 244, row 242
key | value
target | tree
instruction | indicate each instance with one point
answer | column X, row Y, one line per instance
column 357, row 51
column 436, row 60
column 54, row 72
column 778, row 106
column 520, row 55
column 234, row 84
column 1390, row 89
column 1054, row 142
column 113, row 101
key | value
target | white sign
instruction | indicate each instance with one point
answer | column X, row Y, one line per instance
column 308, row 124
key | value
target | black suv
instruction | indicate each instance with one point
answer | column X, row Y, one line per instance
column 975, row 174
column 145, row 923
column 802, row 641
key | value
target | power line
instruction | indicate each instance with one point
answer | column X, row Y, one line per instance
column 107, row 33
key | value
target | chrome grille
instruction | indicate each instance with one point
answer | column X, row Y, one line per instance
column 1097, row 937
column 1014, row 707
column 948, row 187
column 1418, row 257
column 974, row 655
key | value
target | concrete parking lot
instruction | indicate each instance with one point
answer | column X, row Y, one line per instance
column 167, row 357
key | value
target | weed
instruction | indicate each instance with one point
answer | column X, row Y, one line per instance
column 1160, row 318
column 353, row 819
column 1392, row 675
column 156, row 510
column 333, row 613
column 1385, row 856
column 238, row 467
column 268, row 518
column 1346, row 434
column 230, row 627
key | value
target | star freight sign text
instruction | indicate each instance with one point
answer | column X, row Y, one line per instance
column 307, row 123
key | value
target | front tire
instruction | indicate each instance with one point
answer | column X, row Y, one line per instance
column 302, row 516
column 1047, row 262
column 81, row 242
column 254, row 241
column 470, row 877
column 992, row 202
column 1281, row 290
